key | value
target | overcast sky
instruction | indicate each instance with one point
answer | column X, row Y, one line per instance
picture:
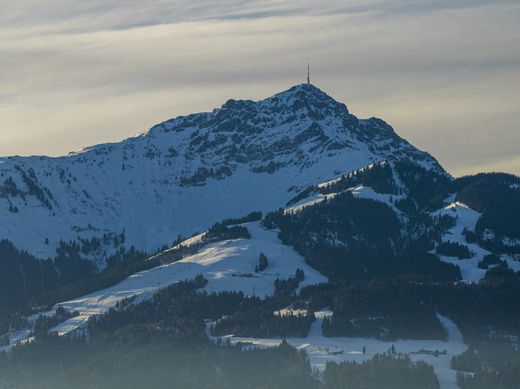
column 444, row 73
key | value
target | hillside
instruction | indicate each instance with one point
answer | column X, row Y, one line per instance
column 186, row 173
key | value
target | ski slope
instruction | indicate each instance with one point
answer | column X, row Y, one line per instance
column 466, row 218
column 227, row 265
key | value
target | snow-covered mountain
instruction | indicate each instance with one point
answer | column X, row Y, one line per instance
column 189, row 172
column 408, row 190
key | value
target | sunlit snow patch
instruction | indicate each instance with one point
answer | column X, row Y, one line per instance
column 227, row 265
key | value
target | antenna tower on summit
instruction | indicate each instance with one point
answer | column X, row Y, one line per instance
column 308, row 74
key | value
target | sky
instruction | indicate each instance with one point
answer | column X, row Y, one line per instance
column 444, row 73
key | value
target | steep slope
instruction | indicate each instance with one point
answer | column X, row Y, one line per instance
column 186, row 173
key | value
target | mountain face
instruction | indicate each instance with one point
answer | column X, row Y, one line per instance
column 189, row 172
column 434, row 226
column 366, row 251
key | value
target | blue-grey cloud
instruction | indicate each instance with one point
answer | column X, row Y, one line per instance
column 117, row 14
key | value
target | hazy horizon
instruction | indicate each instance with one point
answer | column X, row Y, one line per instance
column 77, row 74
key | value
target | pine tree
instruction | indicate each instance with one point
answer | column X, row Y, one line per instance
column 262, row 263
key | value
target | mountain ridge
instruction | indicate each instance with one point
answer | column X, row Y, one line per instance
column 190, row 171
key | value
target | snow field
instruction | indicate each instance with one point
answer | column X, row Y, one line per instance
column 321, row 349
column 466, row 218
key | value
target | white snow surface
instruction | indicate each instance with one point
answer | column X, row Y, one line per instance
column 467, row 218
column 321, row 349
column 359, row 191
column 366, row 192
column 309, row 202
column 227, row 265
column 189, row 172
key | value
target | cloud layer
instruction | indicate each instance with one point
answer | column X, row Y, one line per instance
column 443, row 73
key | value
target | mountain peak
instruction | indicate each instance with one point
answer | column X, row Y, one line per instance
column 300, row 97
column 304, row 88
column 308, row 96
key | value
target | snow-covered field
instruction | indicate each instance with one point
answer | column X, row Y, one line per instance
column 466, row 218
column 227, row 265
column 321, row 349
